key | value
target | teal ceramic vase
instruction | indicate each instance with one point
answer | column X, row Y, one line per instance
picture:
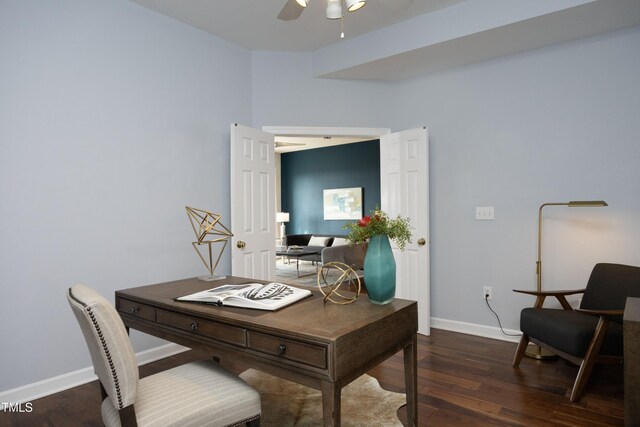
column 380, row 270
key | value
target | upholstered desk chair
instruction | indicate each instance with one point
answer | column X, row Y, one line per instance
column 586, row 336
column 194, row 394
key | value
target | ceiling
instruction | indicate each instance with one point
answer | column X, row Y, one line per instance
column 253, row 24
column 401, row 39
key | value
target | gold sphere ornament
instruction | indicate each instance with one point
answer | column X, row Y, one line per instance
column 332, row 276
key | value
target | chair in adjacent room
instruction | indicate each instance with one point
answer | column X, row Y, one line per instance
column 588, row 335
column 199, row 393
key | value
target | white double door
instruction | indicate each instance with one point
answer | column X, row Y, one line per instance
column 404, row 188
column 253, row 210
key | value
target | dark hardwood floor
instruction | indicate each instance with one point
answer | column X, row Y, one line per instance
column 462, row 380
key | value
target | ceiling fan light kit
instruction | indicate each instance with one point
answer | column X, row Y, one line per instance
column 293, row 8
column 334, row 9
column 353, row 5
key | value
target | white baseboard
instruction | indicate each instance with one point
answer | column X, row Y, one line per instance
column 62, row 382
column 30, row 392
column 475, row 329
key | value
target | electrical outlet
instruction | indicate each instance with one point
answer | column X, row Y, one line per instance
column 487, row 292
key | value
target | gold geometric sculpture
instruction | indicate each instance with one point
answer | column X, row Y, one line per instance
column 334, row 275
column 205, row 223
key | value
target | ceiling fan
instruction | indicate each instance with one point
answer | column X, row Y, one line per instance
column 293, row 8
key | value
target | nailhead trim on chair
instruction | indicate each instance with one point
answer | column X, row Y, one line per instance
column 244, row 422
column 108, row 354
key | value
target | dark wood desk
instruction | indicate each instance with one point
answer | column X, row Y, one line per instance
column 324, row 346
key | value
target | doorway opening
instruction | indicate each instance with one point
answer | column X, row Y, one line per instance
column 296, row 138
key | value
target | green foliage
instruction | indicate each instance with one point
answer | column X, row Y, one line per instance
column 378, row 223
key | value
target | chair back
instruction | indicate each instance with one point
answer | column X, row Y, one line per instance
column 111, row 353
column 610, row 285
column 352, row 255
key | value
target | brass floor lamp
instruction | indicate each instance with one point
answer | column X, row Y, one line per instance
column 535, row 351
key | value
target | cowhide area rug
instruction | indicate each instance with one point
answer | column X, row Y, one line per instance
column 285, row 403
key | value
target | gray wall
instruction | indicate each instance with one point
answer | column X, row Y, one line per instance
column 548, row 125
column 553, row 124
column 112, row 119
column 284, row 94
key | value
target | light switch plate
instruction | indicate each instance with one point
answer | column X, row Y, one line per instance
column 484, row 213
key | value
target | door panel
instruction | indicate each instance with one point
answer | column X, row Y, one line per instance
column 404, row 187
column 252, row 203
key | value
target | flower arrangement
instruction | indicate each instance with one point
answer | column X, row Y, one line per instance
column 379, row 223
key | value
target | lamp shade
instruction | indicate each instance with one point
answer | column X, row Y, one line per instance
column 282, row 216
column 353, row 5
column 587, row 203
column 334, row 9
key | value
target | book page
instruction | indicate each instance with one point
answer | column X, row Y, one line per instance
column 270, row 296
column 219, row 294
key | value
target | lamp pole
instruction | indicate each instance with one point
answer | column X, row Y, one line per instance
column 539, row 261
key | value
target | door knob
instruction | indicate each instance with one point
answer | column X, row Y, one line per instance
column 241, row 244
column 421, row 241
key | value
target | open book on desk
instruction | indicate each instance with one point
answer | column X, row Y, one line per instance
column 270, row 296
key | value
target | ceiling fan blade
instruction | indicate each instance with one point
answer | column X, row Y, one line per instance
column 291, row 10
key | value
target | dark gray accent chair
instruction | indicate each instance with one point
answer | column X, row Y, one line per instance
column 588, row 335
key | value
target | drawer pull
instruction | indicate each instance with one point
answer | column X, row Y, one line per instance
column 194, row 326
column 281, row 349
column 135, row 309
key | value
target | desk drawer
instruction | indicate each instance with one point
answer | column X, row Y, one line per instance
column 136, row 309
column 309, row 354
column 217, row 331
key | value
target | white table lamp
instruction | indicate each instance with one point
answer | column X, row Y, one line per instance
column 282, row 217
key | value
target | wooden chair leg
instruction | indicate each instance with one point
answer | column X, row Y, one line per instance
column 128, row 417
column 522, row 347
column 589, row 359
column 103, row 392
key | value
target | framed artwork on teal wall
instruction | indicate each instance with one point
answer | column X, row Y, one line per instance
column 342, row 203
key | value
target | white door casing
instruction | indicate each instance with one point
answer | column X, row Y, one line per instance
column 404, row 190
column 252, row 203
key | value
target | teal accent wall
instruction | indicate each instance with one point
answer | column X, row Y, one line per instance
column 305, row 174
